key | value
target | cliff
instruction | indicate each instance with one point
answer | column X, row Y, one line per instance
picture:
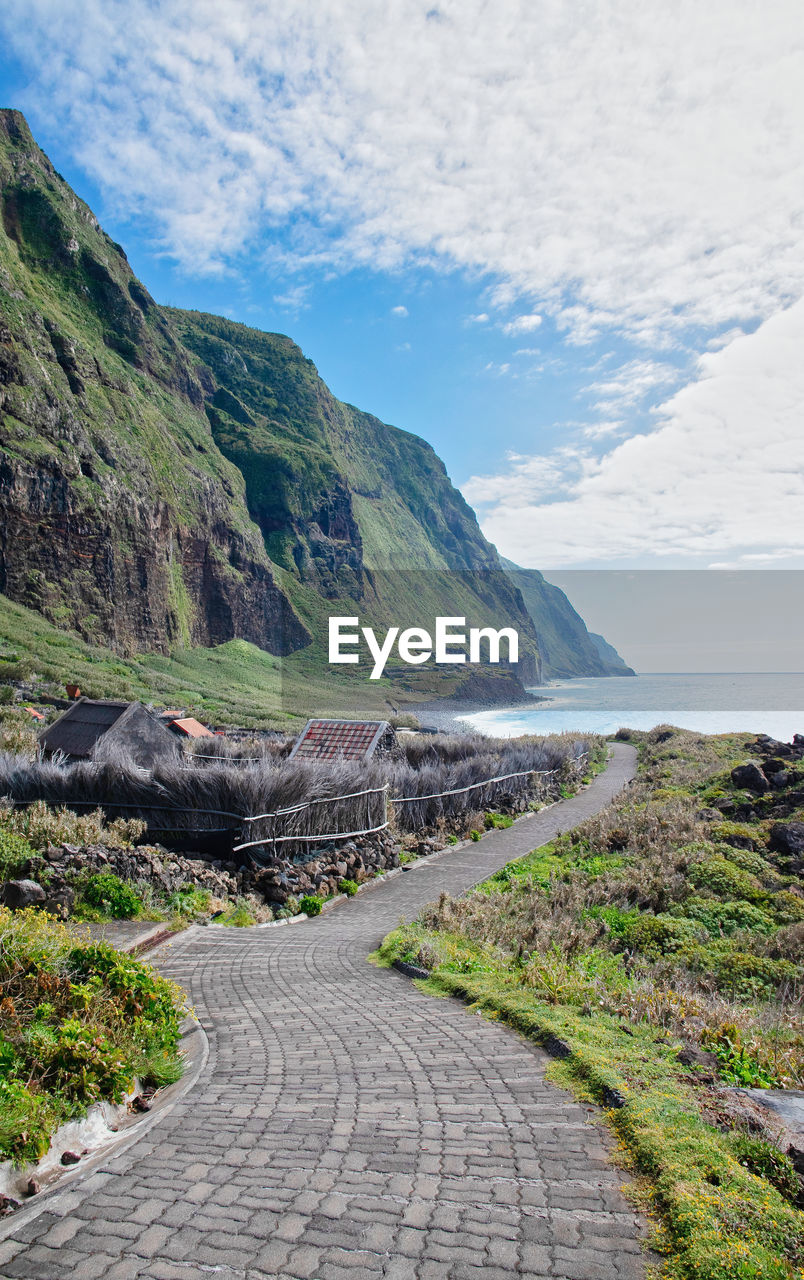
column 567, row 648
column 171, row 479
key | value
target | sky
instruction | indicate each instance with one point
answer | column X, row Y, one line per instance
column 562, row 242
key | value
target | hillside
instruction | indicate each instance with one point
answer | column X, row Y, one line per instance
column 173, row 481
column 567, row 648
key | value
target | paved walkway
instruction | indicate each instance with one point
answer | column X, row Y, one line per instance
column 347, row 1126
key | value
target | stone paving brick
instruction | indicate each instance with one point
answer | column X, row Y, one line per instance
column 347, row 1126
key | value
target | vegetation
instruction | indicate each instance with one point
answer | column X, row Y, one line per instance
column 310, row 904
column 642, row 933
column 79, row 1022
column 216, row 794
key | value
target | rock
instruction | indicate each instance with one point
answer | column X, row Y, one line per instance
column 8, row 1205
column 22, row 893
column 787, row 838
column 70, row 1157
column 60, row 901
column 750, row 777
column 140, row 1103
column 692, row 1056
column 773, row 765
column 33, row 1188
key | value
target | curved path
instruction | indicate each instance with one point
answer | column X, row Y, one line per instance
column 347, row 1126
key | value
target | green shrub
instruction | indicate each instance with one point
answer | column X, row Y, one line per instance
column 349, row 887
column 42, row 825
column 619, row 921
column 110, row 894
column 768, row 1162
column 723, row 879
column 749, row 975
column 311, row 904
column 499, row 821
column 188, row 900
column 474, row 835
column 78, row 1022
column 724, row 918
column 238, row 916
column 6, row 695
column 662, row 935
column 789, row 907
column 14, row 853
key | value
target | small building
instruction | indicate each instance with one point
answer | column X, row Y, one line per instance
column 90, row 728
column 342, row 739
column 188, row 727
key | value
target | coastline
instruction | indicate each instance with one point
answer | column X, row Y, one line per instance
column 446, row 714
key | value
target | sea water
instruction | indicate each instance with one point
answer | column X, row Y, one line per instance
column 772, row 703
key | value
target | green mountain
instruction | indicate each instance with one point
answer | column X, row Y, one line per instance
column 171, row 480
column 567, row 649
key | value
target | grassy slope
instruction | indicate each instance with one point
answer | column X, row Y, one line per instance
column 401, row 545
column 601, row 941
column 231, row 684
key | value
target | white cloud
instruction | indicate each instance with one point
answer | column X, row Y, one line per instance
column 522, row 324
column 480, row 318
column 399, row 311
column 630, row 384
column 639, row 169
column 719, row 482
column 294, row 298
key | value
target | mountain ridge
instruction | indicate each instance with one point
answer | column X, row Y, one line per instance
column 170, row 479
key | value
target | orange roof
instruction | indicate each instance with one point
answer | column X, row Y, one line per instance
column 191, row 728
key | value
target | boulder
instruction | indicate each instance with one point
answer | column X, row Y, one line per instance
column 787, row 838
column 22, row 893
column 750, row 777
column 692, row 1056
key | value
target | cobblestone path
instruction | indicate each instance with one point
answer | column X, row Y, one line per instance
column 347, row 1126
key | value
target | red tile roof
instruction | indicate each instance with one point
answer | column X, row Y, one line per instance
column 344, row 739
column 191, row 728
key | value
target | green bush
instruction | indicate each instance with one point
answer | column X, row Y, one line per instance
column 311, row 904
column 750, row 975
column 768, row 1162
column 78, row 1023
column 474, row 835
column 188, row 900
column 14, row 853
column 349, row 887
column 239, row 916
column 662, row 935
column 111, row 895
column 724, row 918
column 723, row 879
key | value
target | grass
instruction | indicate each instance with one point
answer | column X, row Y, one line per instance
column 638, row 933
column 219, row 794
column 79, row 1023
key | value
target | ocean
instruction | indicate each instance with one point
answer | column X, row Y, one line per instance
column 772, row 704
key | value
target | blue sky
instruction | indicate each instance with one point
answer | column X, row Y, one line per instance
column 570, row 258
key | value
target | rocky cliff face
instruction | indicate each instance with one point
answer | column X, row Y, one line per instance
column 120, row 517
column 169, row 478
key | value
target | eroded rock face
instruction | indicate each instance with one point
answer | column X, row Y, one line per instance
column 120, row 516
